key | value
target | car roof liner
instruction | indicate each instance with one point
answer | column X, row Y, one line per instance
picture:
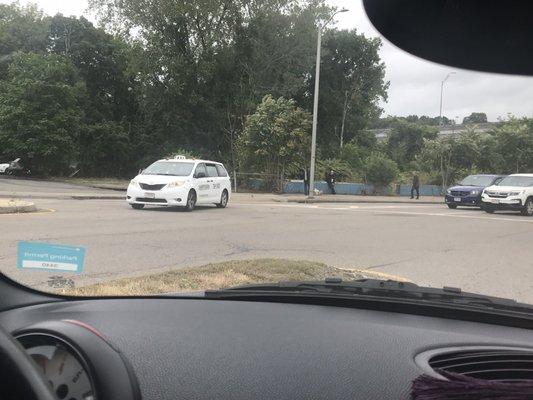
column 490, row 35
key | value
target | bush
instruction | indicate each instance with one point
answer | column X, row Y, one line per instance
column 380, row 170
column 343, row 171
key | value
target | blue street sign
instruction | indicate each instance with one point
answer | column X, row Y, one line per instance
column 50, row 257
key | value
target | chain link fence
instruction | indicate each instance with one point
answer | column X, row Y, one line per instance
column 257, row 182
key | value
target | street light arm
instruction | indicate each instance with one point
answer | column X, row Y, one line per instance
column 331, row 18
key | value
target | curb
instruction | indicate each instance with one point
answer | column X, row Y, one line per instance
column 354, row 201
column 110, row 187
column 18, row 207
column 62, row 197
column 97, row 197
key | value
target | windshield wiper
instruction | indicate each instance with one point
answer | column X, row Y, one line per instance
column 373, row 289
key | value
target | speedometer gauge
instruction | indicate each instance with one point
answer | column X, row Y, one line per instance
column 61, row 366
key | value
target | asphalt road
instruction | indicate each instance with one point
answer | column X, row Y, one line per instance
column 428, row 244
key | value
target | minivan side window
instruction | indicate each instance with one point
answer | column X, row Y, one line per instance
column 200, row 168
column 212, row 170
column 221, row 170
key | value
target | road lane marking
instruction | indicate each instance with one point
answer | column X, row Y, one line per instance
column 376, row 210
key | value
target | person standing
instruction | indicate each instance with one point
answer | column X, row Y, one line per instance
column 415, row 186
column 330, row 180
column 305, row 177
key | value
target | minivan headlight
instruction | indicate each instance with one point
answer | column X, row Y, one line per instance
column 475, row 192
column 516, row 193
column 133, row 182
column 175, row 184
column 448, row 191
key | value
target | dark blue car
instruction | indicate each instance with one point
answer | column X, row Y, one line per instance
column 468, row 191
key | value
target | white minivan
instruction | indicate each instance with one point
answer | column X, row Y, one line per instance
column 180, row 182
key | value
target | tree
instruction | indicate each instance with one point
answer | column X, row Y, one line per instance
column 380, row 170
column 22, row 29
column 40, row 111
column 406, row 140
column 275, row 138
column 102, row 62
column 515, row 144
column 105, row 150
column 475, row 118
column 352, row 78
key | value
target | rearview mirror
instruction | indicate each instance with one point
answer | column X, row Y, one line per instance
column 490, row 36
column 199, row 175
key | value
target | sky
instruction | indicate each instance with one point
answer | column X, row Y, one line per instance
column 414, row 83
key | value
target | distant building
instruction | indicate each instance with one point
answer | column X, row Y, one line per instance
column 382, row 134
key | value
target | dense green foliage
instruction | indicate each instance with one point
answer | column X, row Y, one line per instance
column 275, row 137
column 172, row 74
column 231, row 81
column 475, row 118
column 506, row 149
column 380, row 170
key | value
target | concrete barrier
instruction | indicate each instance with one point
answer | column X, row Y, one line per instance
column 16, row 206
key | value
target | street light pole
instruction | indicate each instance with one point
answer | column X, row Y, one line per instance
column 441, row 90
column 315, row 105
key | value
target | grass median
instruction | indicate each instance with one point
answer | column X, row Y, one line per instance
column 220, row 275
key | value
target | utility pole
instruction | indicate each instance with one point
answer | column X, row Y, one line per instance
column 441, row 90
column 344, row 110
column 315, row 105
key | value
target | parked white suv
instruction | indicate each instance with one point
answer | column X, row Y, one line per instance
column 514, row 192
column 180, row 182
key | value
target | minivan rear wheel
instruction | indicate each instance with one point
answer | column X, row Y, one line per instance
column 223, row 199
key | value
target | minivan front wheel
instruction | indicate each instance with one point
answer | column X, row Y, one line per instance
column 528, row 208
column 137, row 206
column 223, row 199
column 191, row 201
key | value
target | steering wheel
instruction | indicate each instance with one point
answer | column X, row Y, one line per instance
column 20, row 377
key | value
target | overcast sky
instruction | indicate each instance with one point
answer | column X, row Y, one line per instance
column 414, row 83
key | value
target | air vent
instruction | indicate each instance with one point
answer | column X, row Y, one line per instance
column 502, row 364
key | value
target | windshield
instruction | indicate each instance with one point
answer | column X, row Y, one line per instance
column 477, row 180
column 523, row 181
column 169, row 168
column 292, row 173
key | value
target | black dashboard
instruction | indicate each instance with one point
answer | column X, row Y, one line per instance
column 213, row 349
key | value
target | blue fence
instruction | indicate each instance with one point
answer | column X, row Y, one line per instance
column 425, row 190
column 296, row 186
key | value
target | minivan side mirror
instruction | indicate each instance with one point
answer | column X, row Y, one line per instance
column 199, row 175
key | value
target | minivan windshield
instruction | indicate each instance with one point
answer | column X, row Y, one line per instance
column 477, row 180
column 170, row 168
column 517, row 180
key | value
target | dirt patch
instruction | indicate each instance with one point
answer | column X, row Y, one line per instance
column 220, row 275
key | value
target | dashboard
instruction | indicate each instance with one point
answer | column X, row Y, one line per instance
column 213, row 349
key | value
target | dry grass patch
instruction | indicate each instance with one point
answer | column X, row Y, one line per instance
column 219, row 275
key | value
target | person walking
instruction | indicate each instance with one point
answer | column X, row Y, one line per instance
column 330, row 180
column 415, row 186
column 304, row 175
